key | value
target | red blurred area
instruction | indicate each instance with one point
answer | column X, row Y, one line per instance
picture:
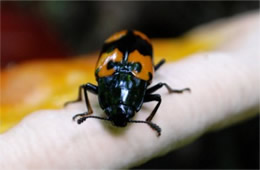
column 26, row 35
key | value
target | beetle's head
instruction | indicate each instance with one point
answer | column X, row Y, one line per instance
column 119, row 115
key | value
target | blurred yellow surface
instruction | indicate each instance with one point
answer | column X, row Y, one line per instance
column 48, row 84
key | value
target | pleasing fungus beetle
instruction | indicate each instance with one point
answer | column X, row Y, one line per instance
column 124, row 71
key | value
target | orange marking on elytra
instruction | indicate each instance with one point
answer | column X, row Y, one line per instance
column 115, row 56
column 145, row 61
column 116, row 36
column 143, row 36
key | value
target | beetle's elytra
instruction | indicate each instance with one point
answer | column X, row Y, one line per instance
column 124, row 72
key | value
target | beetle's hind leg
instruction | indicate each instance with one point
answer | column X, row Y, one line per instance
column 170, row 90
column 158, row 65
column 85, row 87
column 156, row 97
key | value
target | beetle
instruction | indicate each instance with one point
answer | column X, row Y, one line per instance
column 124, row 72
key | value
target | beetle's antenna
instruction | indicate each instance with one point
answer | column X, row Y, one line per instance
column 152, row 125
column 82, row 119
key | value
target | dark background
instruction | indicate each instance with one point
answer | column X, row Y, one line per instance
column 38, row 30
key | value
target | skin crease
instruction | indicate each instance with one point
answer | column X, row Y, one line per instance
column 224, row 86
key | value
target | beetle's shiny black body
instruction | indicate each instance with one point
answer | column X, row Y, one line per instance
column 124, row 71
column 121, row 95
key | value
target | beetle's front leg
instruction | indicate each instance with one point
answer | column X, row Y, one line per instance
column 149, row 98
column 85, row 87
column 170, row 90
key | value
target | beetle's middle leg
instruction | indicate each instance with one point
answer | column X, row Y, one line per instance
column 170, row 90
column 85, row 87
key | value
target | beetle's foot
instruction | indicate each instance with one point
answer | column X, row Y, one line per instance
column 81, row 117
column 156, row 128
column 80, row 120
column 187, row 89
column 78, row 115
column 179, row 91
column 66, row 104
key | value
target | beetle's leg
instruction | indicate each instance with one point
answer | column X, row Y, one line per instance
column 85, row 116
column 85, row 87
column 153, row 97
column 170, row 90
column 157, row 66
column 90, row 87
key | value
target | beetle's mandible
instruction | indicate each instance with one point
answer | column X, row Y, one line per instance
column 124, row 72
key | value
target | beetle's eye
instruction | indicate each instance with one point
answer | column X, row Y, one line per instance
column 137, row 67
